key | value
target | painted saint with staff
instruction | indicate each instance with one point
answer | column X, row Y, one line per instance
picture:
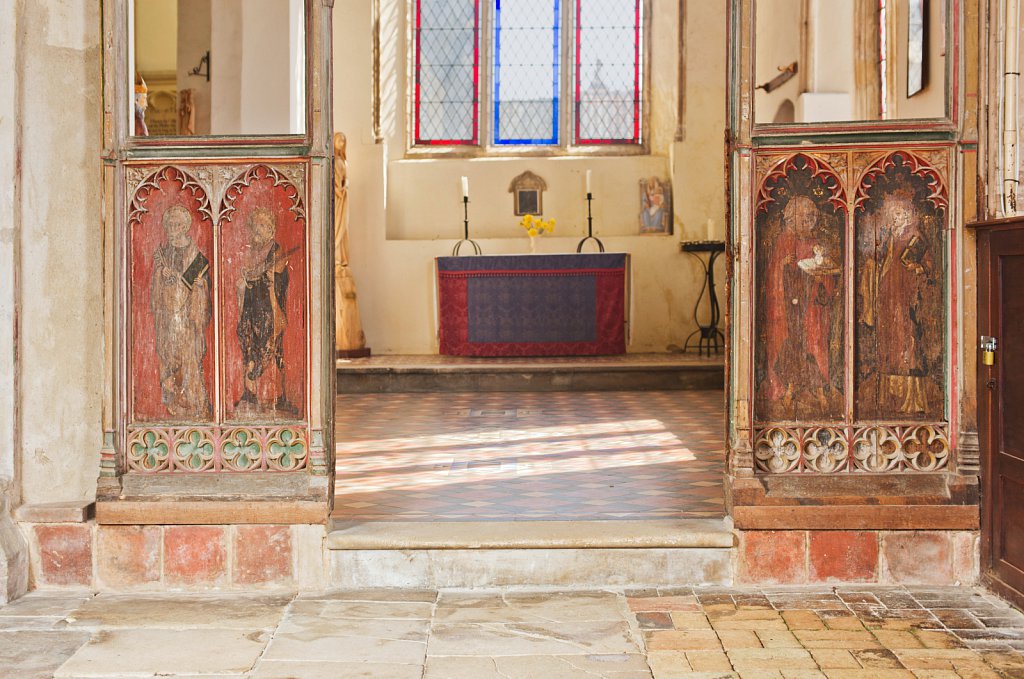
column 262, row 291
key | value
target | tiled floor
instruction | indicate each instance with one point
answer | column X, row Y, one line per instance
column 846, row 633
column 438, row 362
column 530, row 456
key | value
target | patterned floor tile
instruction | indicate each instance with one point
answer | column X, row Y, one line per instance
column 530, row 456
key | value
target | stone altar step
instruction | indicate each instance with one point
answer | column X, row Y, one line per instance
column 630, row 372
column 562, row 554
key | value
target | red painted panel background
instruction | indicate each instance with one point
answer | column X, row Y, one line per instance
column 260, row 187
column 146, row 237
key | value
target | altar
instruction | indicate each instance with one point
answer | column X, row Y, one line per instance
column 533, row 305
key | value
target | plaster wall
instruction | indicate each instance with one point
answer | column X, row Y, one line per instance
column 156, row 31
column 226, row 42
column 776, row 45
column 192, row 45
column 266, row 67
column 832, row 50
column 930, row 101
column 405, row 211
column 60, row 296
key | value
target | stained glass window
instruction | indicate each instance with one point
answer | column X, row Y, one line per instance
column 524, row 78
column 526, row 71
column 447, row 69
column 608, row 83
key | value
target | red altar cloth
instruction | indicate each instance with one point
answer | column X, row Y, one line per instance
column 533, row 305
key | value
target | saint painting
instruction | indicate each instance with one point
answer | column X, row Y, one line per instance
column 262, row 296
column 799, row 353
column 899, row 299
column 655, row 206
column 180, row 303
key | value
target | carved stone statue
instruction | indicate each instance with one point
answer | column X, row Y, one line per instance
column 186, row 113
column 350, row 341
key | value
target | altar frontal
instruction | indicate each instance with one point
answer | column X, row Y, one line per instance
column 533, row 305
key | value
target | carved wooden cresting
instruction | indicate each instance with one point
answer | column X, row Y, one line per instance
column 218, row 309
column 851, row 254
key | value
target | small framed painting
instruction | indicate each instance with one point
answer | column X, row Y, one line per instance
column 528, row 194
column 917, row 46
column 655, row 206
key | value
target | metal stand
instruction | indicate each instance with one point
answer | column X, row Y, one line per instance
column 709, row 334
column 465, row 231
column 590, row 228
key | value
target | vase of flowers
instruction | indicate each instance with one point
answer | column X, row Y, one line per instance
column 536, row 227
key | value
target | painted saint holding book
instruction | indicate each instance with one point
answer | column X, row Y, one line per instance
column 180, row 302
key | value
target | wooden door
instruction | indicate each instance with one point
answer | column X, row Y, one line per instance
column 1001, row 398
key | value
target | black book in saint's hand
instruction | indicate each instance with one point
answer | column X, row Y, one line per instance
column 197, row 268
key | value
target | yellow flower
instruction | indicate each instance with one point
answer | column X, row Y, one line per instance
column 532, row 232
column 551, row 226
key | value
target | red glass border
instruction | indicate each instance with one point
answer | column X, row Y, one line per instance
column 637, row 61
column 417, row 140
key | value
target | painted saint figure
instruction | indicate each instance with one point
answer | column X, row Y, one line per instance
column 180, row 302
column 262, row 290
column 654, row 216
column 802, row 286
column 897, row 280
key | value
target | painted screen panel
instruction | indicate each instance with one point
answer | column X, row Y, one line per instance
column 900, row 309
column 172, row 259
column 800, row 333
column 608, row 82
column 526, row 72
column 263, row 297
column 447, row 61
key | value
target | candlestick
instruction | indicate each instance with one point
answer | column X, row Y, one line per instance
column 465, row 187
column 711, row 229
column 465, row 225
column 588, row 182
column 590, row 224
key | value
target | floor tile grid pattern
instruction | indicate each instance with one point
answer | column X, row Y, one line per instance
column 530, row 456
column 435, row 361
column 837, row 633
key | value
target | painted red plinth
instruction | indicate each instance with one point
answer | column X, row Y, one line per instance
column 774, row 557
column 842, row 556
column 65, row 554
column 263, row 554
column 194, row 555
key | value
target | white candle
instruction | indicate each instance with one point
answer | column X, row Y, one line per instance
column 465, row 187
column 711, row 229
column 588, row 181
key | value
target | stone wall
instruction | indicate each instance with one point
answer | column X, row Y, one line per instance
column 59, row 304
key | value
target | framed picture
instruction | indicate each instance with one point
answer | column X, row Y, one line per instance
column 917, row 46
column 655, row 206
column 528, row 194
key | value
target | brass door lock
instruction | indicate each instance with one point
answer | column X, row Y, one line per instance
column 988, row 347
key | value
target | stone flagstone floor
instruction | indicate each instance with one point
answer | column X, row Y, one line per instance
column 779, row 633
column 574, row 456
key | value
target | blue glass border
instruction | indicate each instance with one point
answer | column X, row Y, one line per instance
column 555, row 68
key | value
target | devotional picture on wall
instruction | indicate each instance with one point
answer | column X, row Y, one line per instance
column 799, row 295
column 899, row 300
column 263, row 292
column 172, row 244
column 655, row 206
